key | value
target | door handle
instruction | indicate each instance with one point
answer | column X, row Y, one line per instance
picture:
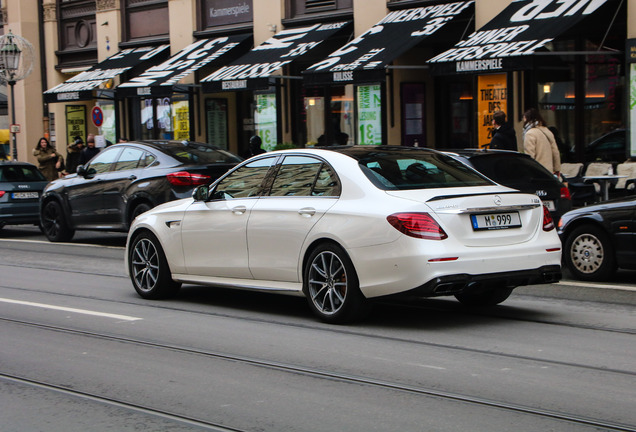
column 239, row 210
column 307, row 211
column 132, row 177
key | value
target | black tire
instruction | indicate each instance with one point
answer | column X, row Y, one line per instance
column 139, row 209
column 486, row 298
column 589, row 254
column 149, row 269
column 54, row 223
column 332, row 287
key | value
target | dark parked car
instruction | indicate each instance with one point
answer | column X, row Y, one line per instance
column 519, row 171
column 125, row 180
column 600, row 238
column 611, row 147
column 21, row 185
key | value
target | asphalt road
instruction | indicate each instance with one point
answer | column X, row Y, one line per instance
column 81, row 351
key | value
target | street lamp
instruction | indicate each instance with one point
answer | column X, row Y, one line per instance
column 16, row 62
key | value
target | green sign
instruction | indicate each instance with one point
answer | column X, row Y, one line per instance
column 265, row 120
column 369, row 114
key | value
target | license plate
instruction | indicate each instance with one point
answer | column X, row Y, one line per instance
column 493, row 221
column 550, row 205
column 25, row 195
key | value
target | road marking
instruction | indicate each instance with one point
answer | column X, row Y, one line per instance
column 67, row 309
column 592, row 285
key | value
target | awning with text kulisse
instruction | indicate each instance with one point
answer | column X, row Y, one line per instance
column 164, row 78
column 257, row 68
column 366, row 58
column 81, row 86
column 522, row 29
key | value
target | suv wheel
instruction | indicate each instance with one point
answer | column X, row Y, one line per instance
column 54, row 223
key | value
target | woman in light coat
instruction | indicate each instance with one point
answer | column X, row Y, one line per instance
column 539, row 142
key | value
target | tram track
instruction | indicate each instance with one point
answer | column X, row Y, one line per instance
column 296, row 369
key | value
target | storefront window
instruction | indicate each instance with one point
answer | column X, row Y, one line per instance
column 170, row 117
column 265, row 120
column 315, row 120
column 342, row 114
column 369, row 108
column 598, row 110
column 216, row 120
column 108, row 127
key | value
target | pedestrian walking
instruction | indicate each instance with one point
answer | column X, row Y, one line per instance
column 90, row 150
column 50, row 162
column 503, row 134
column 539, row 142
column 73, row 152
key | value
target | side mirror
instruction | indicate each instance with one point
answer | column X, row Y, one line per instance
column 201, row 193
column 81, row 170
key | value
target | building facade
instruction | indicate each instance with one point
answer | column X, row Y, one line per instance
column 321, row 72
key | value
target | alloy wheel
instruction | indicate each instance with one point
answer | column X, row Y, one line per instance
column 145, row 265
column 328, row 283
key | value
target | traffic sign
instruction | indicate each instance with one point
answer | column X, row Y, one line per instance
column 97, row 115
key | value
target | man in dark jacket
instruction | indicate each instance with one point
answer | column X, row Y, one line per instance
column 503, row 134
column 90, row 150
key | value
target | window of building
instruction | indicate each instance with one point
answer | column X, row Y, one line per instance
column 146, row 20
column 299, row 8
column 77, row 32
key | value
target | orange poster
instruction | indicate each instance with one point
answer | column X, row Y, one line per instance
column 492, row 95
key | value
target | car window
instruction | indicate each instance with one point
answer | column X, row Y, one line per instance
column 104, row 160
column 245, row 181
column 199, row 153
column 129, row 158
column 393, row 170
column 327, row 183
column 297, row 176
column 21, row 173
column 147, row 160
column 511, row 171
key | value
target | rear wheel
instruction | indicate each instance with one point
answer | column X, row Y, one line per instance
column 148, row 268
column 54, row 224
column 490, row 297
column 331, row 286
column 139, row 209
column 589, row 255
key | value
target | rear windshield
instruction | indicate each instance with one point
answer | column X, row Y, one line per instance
column 512, row 170
column 20, row 173
column 403, row 170
column 199, row 153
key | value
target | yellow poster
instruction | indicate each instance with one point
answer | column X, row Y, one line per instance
column 492, row 96
column 75, row 124
column 181, row 120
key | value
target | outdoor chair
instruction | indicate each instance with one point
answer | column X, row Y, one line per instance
column 627, row 185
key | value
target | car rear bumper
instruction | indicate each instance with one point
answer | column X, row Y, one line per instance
column 458, row 283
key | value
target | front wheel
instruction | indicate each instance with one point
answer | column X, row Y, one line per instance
column 487, row 298
column 331, row 286
column 148, row 268
column 588, row 254
column 54, row 224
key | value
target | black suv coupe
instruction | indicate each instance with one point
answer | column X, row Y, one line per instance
column 125, row 180
column 519, row 171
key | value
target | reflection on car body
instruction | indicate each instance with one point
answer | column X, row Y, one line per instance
column 345, row 225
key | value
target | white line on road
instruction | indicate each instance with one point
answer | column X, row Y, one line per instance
column 593, row 285
column 67, row 309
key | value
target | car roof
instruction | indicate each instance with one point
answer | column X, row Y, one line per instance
column 162, row 144
column 472, row 152
column 13, row 162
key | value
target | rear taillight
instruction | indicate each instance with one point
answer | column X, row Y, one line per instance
column 2, row 193
column 184, row 178
column 548, row 222
column 565, row 193
column 418, row 225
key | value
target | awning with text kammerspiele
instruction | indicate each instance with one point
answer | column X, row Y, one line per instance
column 256, row 69
column 81, row 86
column 524, row 28
column 205, row 53
column 366, row 58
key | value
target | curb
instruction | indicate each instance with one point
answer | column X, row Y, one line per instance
column 582, row 291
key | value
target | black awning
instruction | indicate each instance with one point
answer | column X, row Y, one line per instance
column 366, row 58
column 522, row 29
column 81, row 86
column 164, row 78
column 254, row 70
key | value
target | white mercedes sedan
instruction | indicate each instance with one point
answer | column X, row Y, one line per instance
column 345, row 225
